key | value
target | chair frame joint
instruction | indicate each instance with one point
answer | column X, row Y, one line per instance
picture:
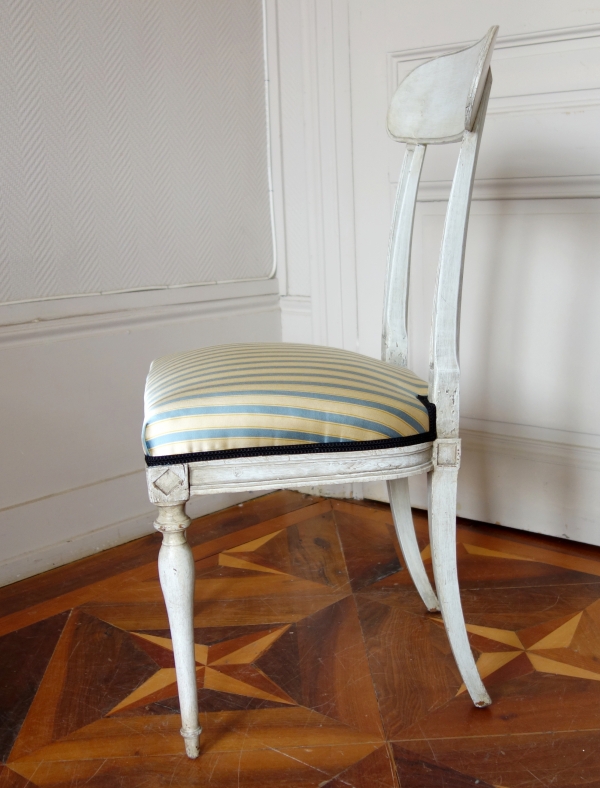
column 168, row 484
column 446, row 453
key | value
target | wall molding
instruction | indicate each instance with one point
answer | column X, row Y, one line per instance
column 296, row 305
column 142, row 309
column 97, row 303
column 536, row 485
column 552, row 187
column 524, row 447
column 534, row 450
column 520, row 481
column 274, row 138
column 543, row 37
column 558, row 101
column 508, row 47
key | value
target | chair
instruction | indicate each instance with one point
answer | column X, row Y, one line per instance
column 251, row 417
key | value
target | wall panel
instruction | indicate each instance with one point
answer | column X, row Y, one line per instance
column 134, row 148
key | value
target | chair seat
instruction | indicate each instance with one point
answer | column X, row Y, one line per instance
column 260, row 399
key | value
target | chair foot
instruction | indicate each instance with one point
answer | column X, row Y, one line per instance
column 192, row 742
column 405, row 529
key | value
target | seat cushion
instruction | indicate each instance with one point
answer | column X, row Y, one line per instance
column 257, row 399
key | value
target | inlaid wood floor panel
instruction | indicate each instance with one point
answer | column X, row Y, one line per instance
column 142, row 552
column 317, row 664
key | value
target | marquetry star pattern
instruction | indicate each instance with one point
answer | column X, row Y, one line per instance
column 224, row 667
column 227, row 666
column 550, row 647
column 240, row 557
column 550, row 653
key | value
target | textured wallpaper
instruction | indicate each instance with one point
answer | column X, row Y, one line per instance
column 132, row 145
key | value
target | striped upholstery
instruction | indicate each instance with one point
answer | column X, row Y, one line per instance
column 234, row 400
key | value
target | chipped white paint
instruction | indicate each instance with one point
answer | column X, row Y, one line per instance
column 300, row 470
column 466, row 82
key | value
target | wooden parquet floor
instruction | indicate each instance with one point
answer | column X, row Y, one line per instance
column 317, row 664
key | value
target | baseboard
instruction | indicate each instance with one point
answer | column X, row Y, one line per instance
column 27, row 524
column 524, row 481
column 539, row 485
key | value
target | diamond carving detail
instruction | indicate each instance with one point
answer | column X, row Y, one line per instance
column 167, row 482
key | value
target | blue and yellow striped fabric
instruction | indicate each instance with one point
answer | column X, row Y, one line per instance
column 274, row 398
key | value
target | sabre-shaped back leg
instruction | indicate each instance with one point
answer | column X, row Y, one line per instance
column 442, row 485
column 405, row 529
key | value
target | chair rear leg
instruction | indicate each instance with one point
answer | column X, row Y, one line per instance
column 442, row 484
column 405, row 529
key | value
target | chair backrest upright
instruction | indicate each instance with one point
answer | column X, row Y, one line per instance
column 441, row 101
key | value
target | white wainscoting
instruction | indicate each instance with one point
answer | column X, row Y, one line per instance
column 530, row 321
column 85, row 521
column 533, row 479
column 71, row 407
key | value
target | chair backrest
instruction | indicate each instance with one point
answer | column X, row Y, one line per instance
column 443, row 100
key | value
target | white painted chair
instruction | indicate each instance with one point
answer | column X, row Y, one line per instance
column 252, row 417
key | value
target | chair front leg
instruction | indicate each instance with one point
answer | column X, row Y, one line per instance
column 405, row 529
column 169, row 490
column 177, row 574
column 442, row 487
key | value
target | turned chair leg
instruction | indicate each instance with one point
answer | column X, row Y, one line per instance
column 442, row 485
column 402, row 514
column 177, row 574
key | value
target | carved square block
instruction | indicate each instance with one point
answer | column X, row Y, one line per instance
column 447, row 453
column 168, row 484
